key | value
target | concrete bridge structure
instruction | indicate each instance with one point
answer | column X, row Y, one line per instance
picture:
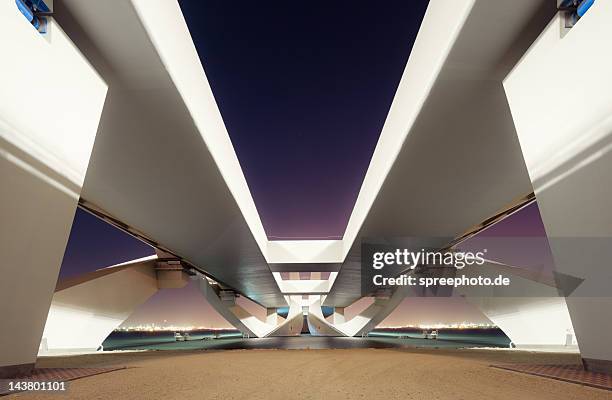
column 499, row 101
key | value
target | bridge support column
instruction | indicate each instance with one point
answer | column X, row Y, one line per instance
column 338, row 316
column 223, row 301
column 45, row 145
column 359, row 325
column 86, row 309
column 271, row 316
column 36, row 213
column 530, row 322
column 569, row 160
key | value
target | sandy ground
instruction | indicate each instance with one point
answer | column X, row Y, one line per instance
column 317, row 374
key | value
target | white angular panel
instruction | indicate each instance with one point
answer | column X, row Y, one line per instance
column 83, row 315
column 51, row 98
column 529, row 322
column 560, row 95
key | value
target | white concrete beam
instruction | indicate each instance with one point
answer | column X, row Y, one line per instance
column 295, row 285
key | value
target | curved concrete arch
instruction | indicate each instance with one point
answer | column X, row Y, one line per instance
column 292, row 325
column 247, row 323
column 362, row 323
column 317, row 324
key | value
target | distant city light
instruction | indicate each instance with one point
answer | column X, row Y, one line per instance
column 461, row 325
column 187, row 328
column 166, row 328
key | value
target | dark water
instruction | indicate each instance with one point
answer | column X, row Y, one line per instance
column 136, row 340
column 493, row 337
column 376, row 339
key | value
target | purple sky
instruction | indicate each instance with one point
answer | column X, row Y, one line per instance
column 94, row 244
column 526, row 222
column 519, row 240
column 304, row 88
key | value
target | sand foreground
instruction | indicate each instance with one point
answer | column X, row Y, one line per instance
column 317, row 374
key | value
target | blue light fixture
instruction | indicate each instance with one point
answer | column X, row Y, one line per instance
column 31, row 9
column 584, row 7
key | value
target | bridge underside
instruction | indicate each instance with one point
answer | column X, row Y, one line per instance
column 475, row 127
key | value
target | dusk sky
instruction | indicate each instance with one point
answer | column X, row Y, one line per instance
column 94, row 244
column 304, row 89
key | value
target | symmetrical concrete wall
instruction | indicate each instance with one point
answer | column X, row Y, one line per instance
column 49, row 112
column 247, row 323
column 292, row 325
column 317, row 324
column 360, row 324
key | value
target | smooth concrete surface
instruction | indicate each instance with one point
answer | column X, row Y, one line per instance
column 452, row 158
column 459, row 61
column 531, row 311
column 51, row 98
column 271, row 316
column 569, row 160
column 150, row 133
column 442, row 76
column 247, row 323
column 36, row 219
column 338, row 315
column 43, row 158
column 361, row 324
column 292, row 325
column 84, row 314
column 529, row 321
